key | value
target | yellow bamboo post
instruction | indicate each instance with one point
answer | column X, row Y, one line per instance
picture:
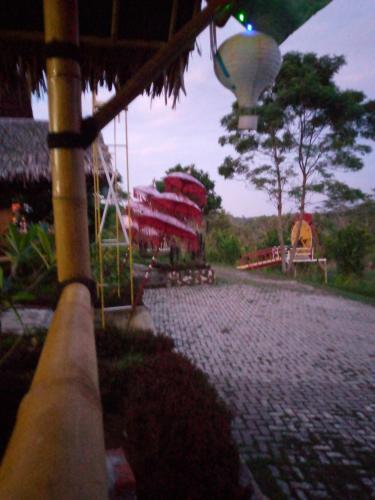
column 68, row 177
column 98, row 236
column 129, row 212
column 56, row 451
column 116, row 214
column 57, row 448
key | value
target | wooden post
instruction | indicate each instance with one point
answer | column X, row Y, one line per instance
column 68, row 177
column 56, row 451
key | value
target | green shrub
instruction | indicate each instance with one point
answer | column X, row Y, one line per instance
column 362, row 286
column 179, row 439
column 349, row 247
column 118, row 355
column 15, row 378
column 114, row 344
column 223, row 247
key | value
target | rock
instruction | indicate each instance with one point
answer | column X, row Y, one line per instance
column 141, row 320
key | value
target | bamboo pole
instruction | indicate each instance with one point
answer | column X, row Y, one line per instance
column 56, row 451
column 68, row 177
column 131, row 269
column 98, row 221
column 115, row 188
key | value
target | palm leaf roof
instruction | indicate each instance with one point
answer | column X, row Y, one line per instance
column 24, row 154
column 118, row 37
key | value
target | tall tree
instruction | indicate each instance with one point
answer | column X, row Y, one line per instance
column 213, row 199
column 317, row 126
column 262, row 159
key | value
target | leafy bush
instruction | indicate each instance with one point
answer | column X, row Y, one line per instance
column 16, row 375
column 362, row 286
column 30, row 253
column 33, row 265
column 115, row 278
column 223, row 247
column 118, row 354
column 114, row 344
column 349, row 247
column 179, row 439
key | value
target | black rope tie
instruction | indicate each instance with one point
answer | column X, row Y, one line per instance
column 57, row 140
column 89, row 283
column 62, row 50
column 82, row 139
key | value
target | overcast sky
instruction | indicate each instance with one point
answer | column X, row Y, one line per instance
column 160, row 137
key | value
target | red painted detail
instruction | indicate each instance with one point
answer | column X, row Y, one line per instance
column 306, row 217
column 259, row 265
column 121, row 477
column 262, row 258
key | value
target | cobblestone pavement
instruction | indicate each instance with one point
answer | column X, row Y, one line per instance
column 297, row 367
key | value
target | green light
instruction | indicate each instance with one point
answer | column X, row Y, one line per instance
column 241, row 17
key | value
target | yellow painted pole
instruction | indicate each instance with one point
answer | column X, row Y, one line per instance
column 56, row 451
column 131, row 273
column 68, row 177
column 98, row 236
column 116, row 214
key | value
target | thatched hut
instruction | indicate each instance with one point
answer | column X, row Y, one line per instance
column 25, row 169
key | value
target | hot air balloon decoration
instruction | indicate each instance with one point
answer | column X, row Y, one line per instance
column 247, row 64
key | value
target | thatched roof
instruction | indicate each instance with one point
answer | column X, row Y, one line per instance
column 116, row 39
column 24, row 155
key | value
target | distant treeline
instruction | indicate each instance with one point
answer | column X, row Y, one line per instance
column 228, row 237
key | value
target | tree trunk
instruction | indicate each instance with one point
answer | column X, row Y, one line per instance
column 280, row 228
column 280, row 235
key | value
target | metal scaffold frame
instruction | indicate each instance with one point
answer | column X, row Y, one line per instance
column 122, row 238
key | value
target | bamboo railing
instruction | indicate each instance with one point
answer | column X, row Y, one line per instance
column 57, row 447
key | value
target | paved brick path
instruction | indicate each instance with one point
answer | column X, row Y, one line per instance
column 297, row 367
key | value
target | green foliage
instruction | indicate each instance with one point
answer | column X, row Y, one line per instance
column 308, row 129
column 17, row 248
column 9, row 296
column 213, row 199
column 33, row 265
column 44, row 245
column 271, row 240
column 30, row 252
column 116, row 279
column 340, row 196
column 360, row 285
column 349, row 247
column 179, row 438
column 223, row 247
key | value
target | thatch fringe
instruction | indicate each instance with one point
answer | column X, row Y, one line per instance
column 24, row 155
column 100, row 66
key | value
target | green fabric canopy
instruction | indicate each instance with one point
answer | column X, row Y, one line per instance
column 277, row 18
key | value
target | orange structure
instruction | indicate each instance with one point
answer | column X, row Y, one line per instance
column 306, row 240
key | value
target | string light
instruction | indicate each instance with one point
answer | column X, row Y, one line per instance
column 241, row 17
column 249, row 27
